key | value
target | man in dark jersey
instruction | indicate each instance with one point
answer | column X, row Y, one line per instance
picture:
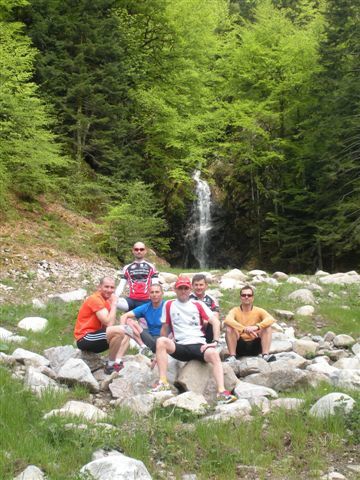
column 139, row 275
column 199, row 286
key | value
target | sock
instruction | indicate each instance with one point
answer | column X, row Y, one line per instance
column 111, row 362
column 164, row 380
column 118, row 360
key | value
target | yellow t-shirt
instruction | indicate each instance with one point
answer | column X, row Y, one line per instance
column 238, row 320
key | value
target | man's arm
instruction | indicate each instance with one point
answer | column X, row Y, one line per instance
column 265, row 319
column 215, row 322
column 120, row 288
column 126, row 316
column 108, row 318
column 231, row 321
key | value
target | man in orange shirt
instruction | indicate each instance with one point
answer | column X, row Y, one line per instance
column 95, row 328
column 248, row 329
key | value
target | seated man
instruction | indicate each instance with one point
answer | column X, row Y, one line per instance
column 248, row 329
column 95, row 329
column 185, row 319
column 199, row 285
column 151, row 311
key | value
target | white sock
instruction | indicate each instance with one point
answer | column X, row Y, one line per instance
column 111, row 362
column 118, row 360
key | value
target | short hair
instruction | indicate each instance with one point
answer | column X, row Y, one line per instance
column 157, row 285
column 102, row 280
column 247, row 287
column 198, row 277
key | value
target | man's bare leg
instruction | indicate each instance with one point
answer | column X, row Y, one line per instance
column 265, row 336
column 232, row 337
column 164, row 346
column 213, row 357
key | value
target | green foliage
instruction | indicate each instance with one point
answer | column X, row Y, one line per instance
column 30, row 158
column 138, row 216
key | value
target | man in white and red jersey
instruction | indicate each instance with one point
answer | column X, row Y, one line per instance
column 199, row 285
column 139, row 275
column 185, row 318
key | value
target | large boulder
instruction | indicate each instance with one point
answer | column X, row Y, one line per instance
column 239, row 409
column 73, row 296
column 331, row 403
column 346, row 379
column 144, row 404
column 303, row 295
column 78, row 409
column 250, row 391
column 348, row 278
column 306, row 311
column 30, row 358
column 190, row 401
column 284, row 314
column 31, row 473
column 116, row 467
column 38, row 382
column 57, row 356
column 343, row 340
column 76, row 372
column 305, row 347
column 235, row 274
column 280, row 380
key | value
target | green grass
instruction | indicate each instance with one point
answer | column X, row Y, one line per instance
column 281, row 445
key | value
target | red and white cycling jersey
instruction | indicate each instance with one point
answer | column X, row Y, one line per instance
column 139, row 276
column 186, row 320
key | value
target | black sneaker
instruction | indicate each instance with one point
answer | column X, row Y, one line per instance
column 269, row 358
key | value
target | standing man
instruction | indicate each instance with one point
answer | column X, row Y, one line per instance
column 95, row 329
column 185, row 319
column 199, row 285
column 248, row 329
column 139, row 275
column 151, row 311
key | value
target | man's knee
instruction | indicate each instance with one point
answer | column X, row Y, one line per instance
column 211, row 355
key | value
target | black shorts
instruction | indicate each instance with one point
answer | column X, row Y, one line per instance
column 149, row 340
column 185, row 353
column 94, row 342
column 135, row 303
column 209, row 333
column 252, row 348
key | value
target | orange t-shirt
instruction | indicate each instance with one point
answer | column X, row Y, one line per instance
column 87, row 321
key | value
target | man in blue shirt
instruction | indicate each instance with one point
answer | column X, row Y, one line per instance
column 151, row 311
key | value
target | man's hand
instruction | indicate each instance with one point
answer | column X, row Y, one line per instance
column 113, row 299
column 253, row 331
column 208, row 345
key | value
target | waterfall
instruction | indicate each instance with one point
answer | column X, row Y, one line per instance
column 200, row 224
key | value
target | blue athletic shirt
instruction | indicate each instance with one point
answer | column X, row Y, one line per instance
column 152, row 316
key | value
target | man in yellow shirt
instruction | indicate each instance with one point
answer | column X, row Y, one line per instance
column 248, row 329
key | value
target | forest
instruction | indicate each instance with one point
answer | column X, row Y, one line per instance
column 110, row 105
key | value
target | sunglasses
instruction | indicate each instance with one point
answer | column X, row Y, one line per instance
column 246, row 295
column 139, row 249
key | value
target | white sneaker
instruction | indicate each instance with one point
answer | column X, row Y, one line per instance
column 230, row 359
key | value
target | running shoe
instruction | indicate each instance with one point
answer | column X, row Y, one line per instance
column 269, row 358
column 225, row 397
column 230, row 359
column 144, row 350
column 115, row 367
column 161, row 387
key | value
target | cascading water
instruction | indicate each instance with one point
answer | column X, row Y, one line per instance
column 199, row 227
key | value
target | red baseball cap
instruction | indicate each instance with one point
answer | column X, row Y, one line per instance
column 183, row 282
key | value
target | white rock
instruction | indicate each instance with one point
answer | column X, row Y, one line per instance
column 35, row 324
column 78, row 409
column 145, row 403
column 289, row 333
column 232, row 410
column 324, row 368
column 169, row 294
column 284, row 314
column 73, row 296
column 306, row 311
column 167, row 277
column 333, row 476
column 17, row 339
column 76, row 372
column 280, row 276
column 343, row 341
column 328, row 404
column 249, row 390
column 356, row 349
column 303, row 295
column 57, row 356
column 295, row 281
column 193, row 402
column 340, row 279
column 231, row 284
column 235, row 274
column 117, row 467
column 258, row 273
column 348, row 363
column 346, row 379
column 38, row 382
column 31, row 473
column 35, row 359
column 5, row 334
column 321, row 273
column 305, row 347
